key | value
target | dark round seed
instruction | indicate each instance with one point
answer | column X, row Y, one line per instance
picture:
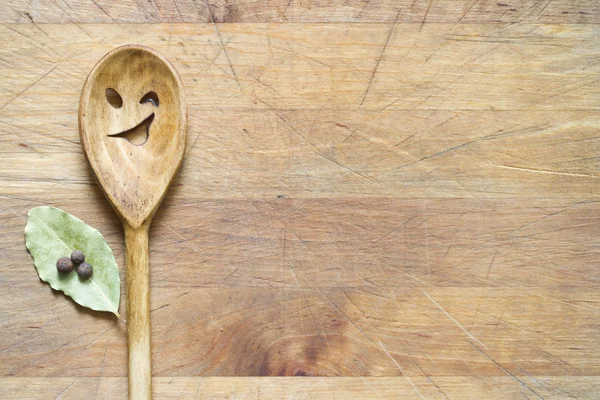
column 85, row 270
column 64, row 265
column 77, row 257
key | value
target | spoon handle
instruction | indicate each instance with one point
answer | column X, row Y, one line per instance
column 138, row 312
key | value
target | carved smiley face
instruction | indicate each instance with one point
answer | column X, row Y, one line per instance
column 138, row 134
column 132, row 122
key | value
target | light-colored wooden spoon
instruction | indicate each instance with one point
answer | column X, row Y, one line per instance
column 133, row 128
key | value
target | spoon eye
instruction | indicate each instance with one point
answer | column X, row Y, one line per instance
column 150, row 97
column 114, row 98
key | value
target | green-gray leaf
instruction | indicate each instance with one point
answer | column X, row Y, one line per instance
column 52, row 233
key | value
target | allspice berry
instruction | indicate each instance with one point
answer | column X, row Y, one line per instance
column 85, row 270
column 64, row 265
column 77, row 257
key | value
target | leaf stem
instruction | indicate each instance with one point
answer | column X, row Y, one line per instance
column 119, row 316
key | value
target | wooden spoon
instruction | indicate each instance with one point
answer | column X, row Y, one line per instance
column 132, row 123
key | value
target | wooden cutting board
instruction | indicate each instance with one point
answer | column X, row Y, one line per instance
column 381, row 200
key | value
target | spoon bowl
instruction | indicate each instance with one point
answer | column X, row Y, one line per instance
column 133, row 176
column 133, row 129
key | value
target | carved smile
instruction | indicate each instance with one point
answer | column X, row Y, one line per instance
column 138, row 135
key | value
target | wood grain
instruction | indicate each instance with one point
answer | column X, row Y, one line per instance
column 548, row 387
column 274, row 11
column 513, row 67
column 330, row 153
column 381, row 204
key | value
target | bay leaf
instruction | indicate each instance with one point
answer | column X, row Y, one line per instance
column 52, row 233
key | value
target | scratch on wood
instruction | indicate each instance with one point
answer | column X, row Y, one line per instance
column 491, row 264
column 387, row 41
column 567, row 303
column 158, row 308
column 346, row 316
column 545, row 171
column 464, row 15
column 425, row 16
column 198, row 389
column 102, row 9
column 212, row 17
column 285, row 11
column 436, row 154
column 392, row 231
column 178, row 12
column 551, row 215
column 362, row 9
column 83, row 30
column 316, row 149
column 67, row 388
column 400, row 368
column 507, row 371
column 445, row 254
column 101, row 369
column 453, row 320
column 30, row 86
column 443, row 393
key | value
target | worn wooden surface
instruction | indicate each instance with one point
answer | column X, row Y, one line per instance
column 400, row 200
